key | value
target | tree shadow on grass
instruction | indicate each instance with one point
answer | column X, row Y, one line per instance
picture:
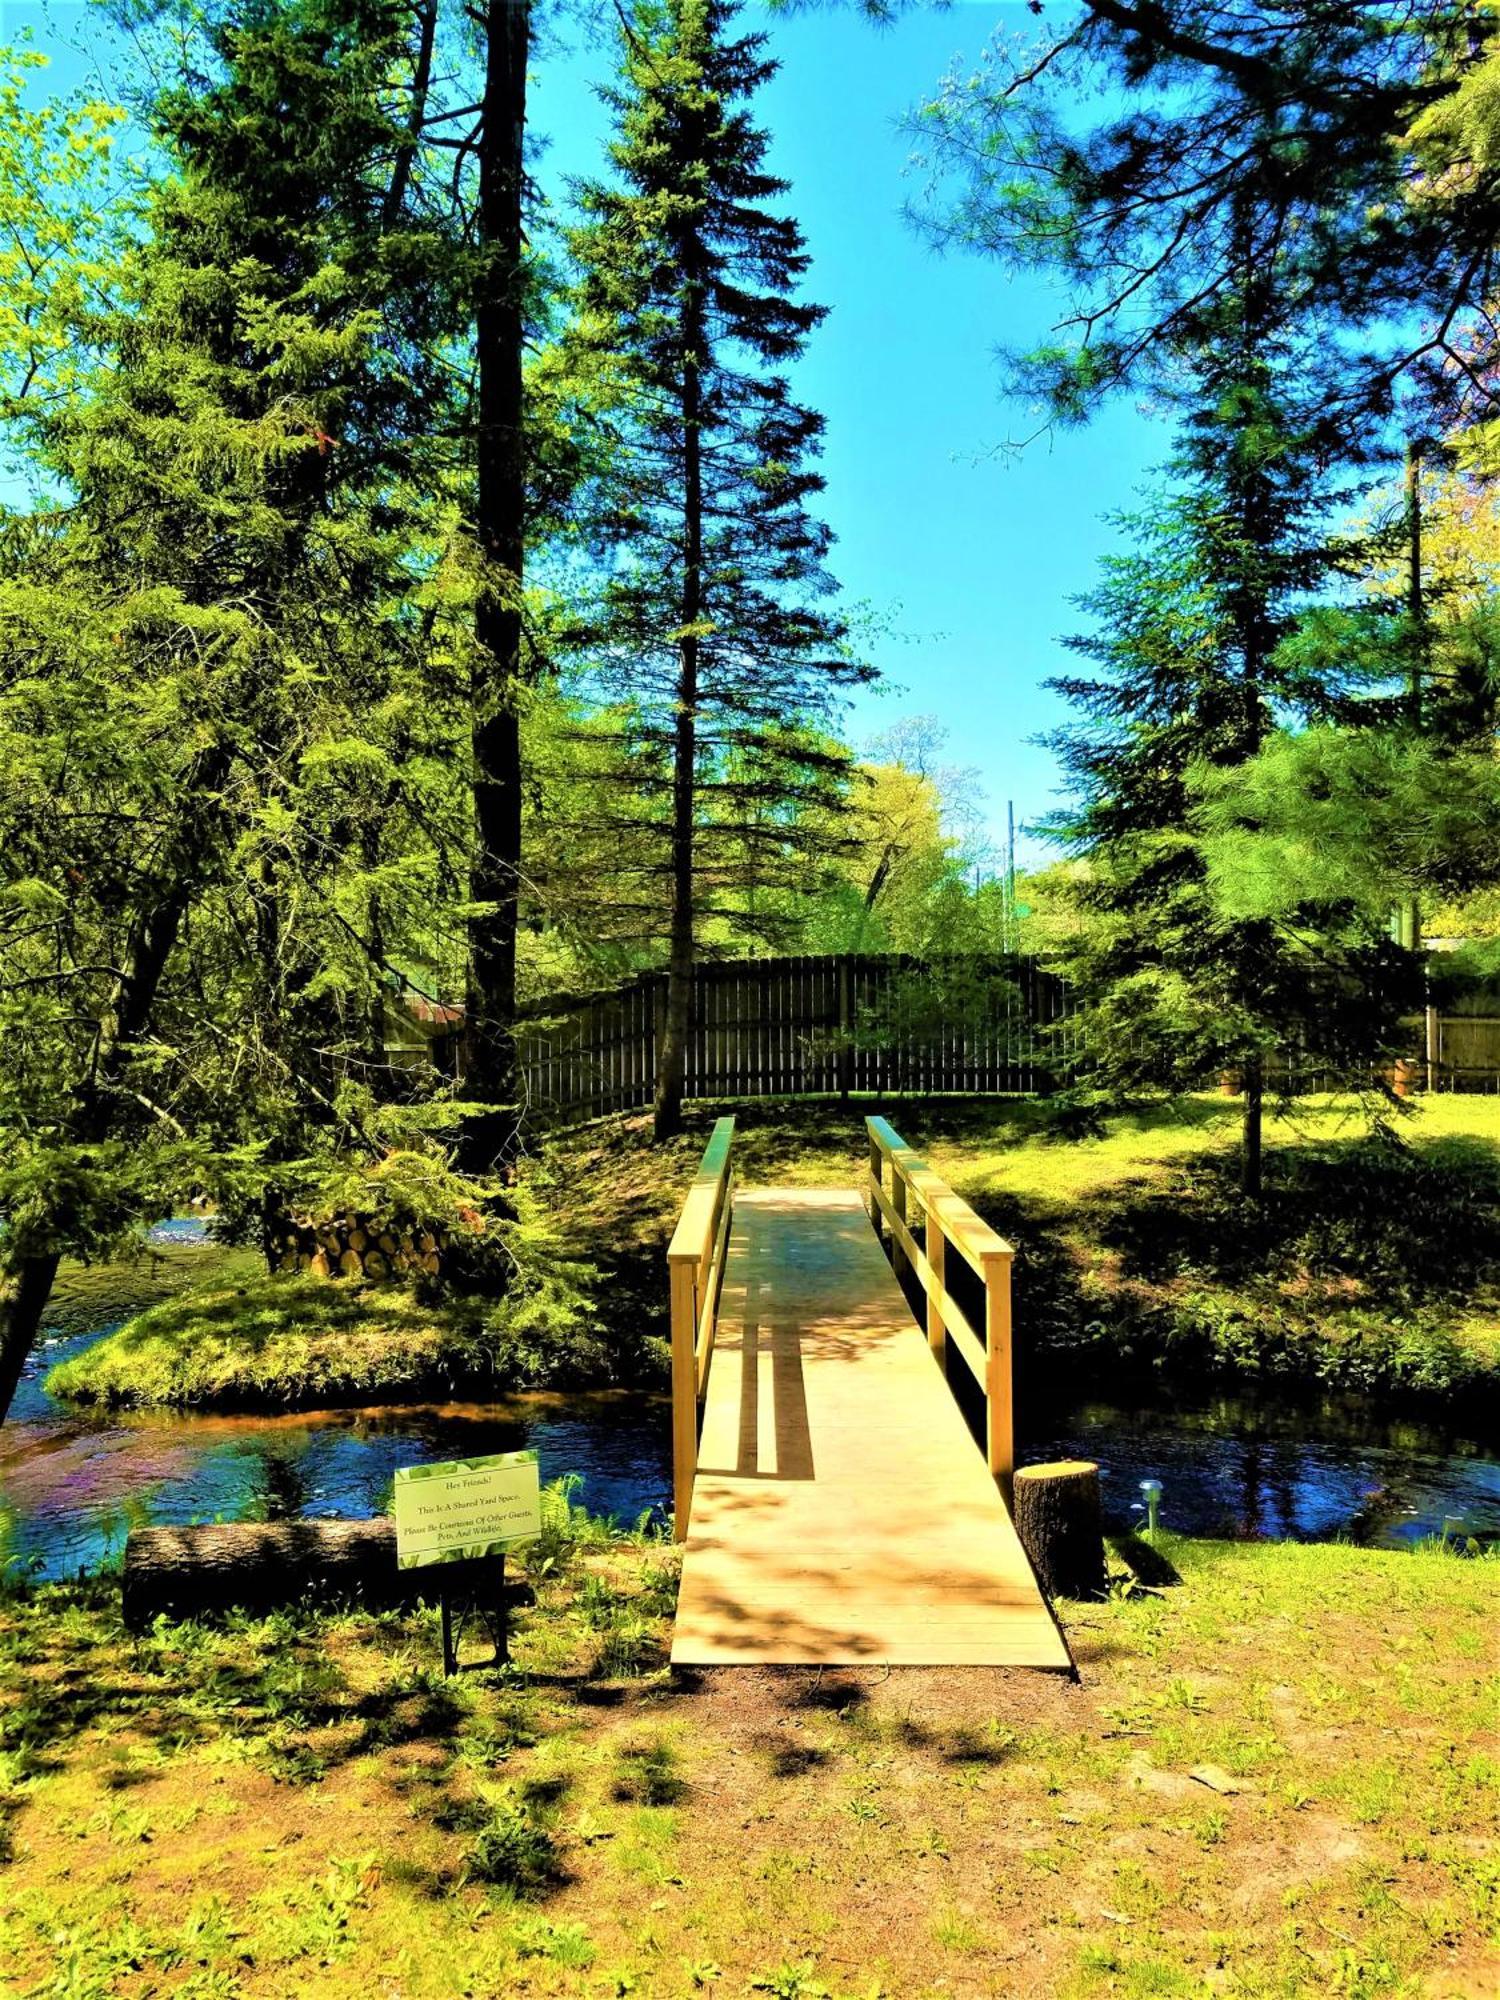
column 1403, row 1223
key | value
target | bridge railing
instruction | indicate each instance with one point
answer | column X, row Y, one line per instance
column 916, row 1195
column 695, row 1260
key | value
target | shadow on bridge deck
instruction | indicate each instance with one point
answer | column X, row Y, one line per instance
column 842, row 1513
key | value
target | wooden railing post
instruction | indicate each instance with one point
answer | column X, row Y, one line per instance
column 876, row 1161
column 937, row 1245
column 1000, row 1424
column 684, row 1389
column 899, row 1260
column 696, row 1260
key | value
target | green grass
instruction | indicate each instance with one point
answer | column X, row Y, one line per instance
column 1369, row 1266
column 1280, row 1779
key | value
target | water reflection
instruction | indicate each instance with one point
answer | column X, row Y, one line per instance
column 1247, row 1468
column 72, row 1485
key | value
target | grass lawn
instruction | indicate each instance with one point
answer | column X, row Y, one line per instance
column 1279, row 1778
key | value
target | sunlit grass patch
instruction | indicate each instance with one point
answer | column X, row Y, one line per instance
column 1277, row 1777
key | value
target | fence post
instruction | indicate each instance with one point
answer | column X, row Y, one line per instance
column 937, row 1254
column 1432, row 1041
column 1000, row 1424
column 876, row 1175
column 684, row 1390
column 899, row 1261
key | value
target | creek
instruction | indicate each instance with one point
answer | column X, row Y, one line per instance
column 73, row 1482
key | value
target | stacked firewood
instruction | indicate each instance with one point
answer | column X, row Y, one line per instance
column 361, row 1246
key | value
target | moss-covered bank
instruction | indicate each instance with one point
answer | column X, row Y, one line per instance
column 292, row 1342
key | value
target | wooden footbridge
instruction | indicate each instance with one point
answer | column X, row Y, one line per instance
column 833, row 1502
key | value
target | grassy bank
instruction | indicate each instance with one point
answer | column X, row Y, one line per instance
column 1277, row 1779
column 1367, row 1267
column 257, row 1341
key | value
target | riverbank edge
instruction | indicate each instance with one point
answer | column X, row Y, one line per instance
column 1146, row 1352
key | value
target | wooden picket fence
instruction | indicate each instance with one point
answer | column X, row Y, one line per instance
column 787, row 1027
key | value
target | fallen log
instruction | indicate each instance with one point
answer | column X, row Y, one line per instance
column 260, row 1566
column 1057, row 1519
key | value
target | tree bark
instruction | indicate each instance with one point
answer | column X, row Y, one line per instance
column 1409, row 913
column 672, row 1057
column 1252, row 1128
column 490, row 1075
column 25, row 1287
column 421, row 84
column 1057, row 1519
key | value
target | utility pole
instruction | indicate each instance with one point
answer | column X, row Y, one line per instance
column 1012, row 925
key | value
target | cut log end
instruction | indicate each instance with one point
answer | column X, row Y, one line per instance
column 1058, row 1521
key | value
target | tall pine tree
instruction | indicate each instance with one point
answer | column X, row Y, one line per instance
column 223, row 595
column 1193, row 669
column 713, row 613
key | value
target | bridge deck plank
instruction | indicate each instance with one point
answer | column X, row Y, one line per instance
column 842, row 1512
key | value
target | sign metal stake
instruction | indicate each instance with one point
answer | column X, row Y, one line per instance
column 460, row 1604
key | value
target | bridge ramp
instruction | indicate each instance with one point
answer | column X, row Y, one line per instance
column 842, row 1512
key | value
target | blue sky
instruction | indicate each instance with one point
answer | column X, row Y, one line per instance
column 971, row 551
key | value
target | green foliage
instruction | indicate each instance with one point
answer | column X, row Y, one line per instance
column 220, row 657
column 63, row 226
column 685, row 317
column 1347, row 816
column 1181, row 984
column 1357, row 1269
column 512, row 1849
column 1146, row 157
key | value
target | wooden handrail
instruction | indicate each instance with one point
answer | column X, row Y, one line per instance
column 950, row 1222
column 695, row 1262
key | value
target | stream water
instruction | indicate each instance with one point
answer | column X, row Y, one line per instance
column 73, row 1483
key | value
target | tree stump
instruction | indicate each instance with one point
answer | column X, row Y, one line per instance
column 1057, row 1518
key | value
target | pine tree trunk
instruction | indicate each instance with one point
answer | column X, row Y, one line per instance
column 1409, row 914
column 490, row 1069
column 421, row 85
column 25, row 1288
column 1251, row 1142
column 672, row 1056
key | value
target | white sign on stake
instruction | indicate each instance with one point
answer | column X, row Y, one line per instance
column 468, row 1507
